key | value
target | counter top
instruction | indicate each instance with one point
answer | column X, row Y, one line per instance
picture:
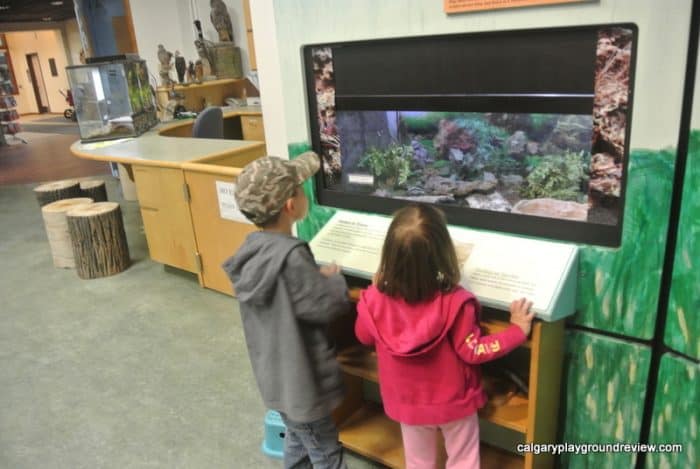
column 153, row 149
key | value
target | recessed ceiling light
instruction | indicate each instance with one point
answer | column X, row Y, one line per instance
column 46, row 18
column 57, row 3
column 4, row 7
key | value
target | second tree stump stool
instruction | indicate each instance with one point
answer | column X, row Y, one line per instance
column 94, row 189
column 54, row 215
column 98, row 239
column 53, row 191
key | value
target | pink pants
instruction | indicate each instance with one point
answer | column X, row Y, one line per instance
column 461, row 442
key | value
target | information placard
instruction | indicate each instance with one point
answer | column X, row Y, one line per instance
column 497, row 268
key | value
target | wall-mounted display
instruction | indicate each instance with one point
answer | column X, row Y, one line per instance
column 518, row 131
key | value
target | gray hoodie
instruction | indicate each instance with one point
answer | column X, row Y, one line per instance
column 286, row 305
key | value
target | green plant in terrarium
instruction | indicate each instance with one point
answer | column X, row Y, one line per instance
column 556, row 176
column 390, row 166
column 500, row 164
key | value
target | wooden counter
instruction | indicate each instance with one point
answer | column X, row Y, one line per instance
column 176, row 182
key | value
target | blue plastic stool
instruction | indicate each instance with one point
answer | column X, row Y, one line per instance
column 273, row 444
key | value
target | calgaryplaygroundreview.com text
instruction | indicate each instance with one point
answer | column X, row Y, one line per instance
column 585, row 448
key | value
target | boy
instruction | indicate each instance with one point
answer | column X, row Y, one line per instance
column 286, row 304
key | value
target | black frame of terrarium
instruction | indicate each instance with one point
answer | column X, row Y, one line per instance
column 546, row 70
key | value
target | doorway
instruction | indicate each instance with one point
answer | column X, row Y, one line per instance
column 37, row 79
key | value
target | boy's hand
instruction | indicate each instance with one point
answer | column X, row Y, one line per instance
column 330, row 269
column 521, row 316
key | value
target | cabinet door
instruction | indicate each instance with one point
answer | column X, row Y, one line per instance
column 218, row 238
column 252, row 127
column 166, row 216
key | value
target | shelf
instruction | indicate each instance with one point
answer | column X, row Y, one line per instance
column 372, row 434
column 361, row 361
column 495, row 458
column 204, row 84
column 512, row 414
column 493, row 326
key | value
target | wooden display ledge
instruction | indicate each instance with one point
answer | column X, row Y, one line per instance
column 213, row 92
column 372, row 434
column 361, row 361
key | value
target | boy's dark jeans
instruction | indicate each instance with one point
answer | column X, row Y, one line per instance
column 312, row 445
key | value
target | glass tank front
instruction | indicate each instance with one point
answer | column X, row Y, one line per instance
column 112, row 99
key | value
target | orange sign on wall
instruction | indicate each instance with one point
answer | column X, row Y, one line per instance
column 461, row 6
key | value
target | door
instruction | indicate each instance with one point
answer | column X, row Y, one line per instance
column 166, row 216
column 42, row 99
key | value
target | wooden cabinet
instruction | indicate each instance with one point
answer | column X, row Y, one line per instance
column 217, row 237
column 365, row 429
column 164, row 201
column 252, row 127
column 238, row 125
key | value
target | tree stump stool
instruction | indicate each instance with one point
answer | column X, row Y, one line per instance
column 56, row 226
column 98, row 239
column 96, row 190
column 53, row 191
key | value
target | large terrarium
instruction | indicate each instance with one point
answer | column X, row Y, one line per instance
column 113, row 99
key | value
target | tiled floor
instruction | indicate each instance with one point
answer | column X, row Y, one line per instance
column 46, row 157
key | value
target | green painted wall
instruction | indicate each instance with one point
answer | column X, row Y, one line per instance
column 683, row 321
column 606, row 386
column 676, row 414
column 618, row 289
column 318, row 215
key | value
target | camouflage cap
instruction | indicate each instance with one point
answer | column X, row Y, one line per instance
column 265, row 184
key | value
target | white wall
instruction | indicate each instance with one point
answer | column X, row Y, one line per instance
column 663, row 38
column 695, row 118
column 272, row 87
column 72, row 36
column 171, row 23
column 46, row 44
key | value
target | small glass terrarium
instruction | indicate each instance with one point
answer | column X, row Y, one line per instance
column 112, row 98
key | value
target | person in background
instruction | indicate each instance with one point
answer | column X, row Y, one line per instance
column 425, row 328
column 286, row 304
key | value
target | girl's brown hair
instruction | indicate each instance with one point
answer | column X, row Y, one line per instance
column 418, row 257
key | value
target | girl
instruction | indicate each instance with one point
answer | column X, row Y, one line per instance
column 426, row 331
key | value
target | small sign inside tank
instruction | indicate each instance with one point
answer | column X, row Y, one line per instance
column 363, row 179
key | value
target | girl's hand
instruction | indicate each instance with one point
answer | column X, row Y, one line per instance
column 330, row 269
column 521, row 316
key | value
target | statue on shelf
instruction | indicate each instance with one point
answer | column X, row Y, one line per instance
column 180, row 66
column 190, row 73
column 165, row 57
column 221, row 20
column 199, row 71
column 203, row 50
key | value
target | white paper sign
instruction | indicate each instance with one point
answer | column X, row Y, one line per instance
column 228, row 208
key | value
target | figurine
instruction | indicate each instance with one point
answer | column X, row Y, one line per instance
column 164, row 57
column 221, row 20
column 199, row 71
column 202, row 46
column 190, row 73
column 180, row 66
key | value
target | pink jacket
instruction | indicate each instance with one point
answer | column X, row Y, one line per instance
column 428, row 354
